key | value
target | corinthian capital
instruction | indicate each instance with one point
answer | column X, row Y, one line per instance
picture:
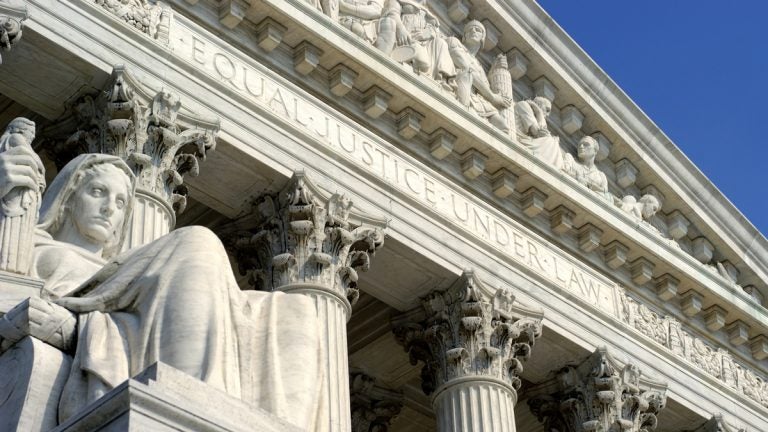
column 469, row 331
column 373, row 407
column 303, row 236
column 599, row 395
column 12, row 15
column 145, row 127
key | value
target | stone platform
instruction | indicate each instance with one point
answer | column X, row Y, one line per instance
column 164, row 399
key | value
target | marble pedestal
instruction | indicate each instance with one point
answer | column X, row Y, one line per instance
column 32, row 375
column 164, row 399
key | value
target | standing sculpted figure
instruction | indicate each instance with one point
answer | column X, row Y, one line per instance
column 585, row 171
column 174, row 300
column 533, row 132
column 473, row 88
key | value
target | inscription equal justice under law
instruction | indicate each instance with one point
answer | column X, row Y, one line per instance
column 379, row 158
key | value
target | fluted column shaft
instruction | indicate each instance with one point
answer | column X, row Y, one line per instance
column 152, row 218
column 475, row 404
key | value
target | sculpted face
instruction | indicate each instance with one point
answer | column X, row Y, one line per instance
column 97, row 209
column 475, row 33
column 544, row 104
column 587, row 149
column 650, row 207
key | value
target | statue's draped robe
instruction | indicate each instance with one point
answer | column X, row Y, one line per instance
column 436, row 48
column 546, row 148
column 175, row 300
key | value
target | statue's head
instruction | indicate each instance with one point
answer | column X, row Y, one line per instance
column 650, row 205
column 543, row 103
column 474, row 33
column 587, row 149
column 90, row 202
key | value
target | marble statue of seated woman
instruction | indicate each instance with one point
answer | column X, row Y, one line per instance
column 174, row 300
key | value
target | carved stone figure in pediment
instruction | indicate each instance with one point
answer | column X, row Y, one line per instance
column 361, row 17
column 147, row 17
column 173, row 300
column 533, row 132
column 531, row 116
column 473, row 87
column 643, row 209
column 585, row 171
column 410, row 33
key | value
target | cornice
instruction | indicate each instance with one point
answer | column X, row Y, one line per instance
column 475, row 133
column 648, row 139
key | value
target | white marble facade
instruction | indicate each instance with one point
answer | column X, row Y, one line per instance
column 413, row 218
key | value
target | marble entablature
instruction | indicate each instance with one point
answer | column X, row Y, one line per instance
column 621, row 186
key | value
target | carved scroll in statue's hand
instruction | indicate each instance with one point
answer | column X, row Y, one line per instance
column 21, row 168
column 21, row 184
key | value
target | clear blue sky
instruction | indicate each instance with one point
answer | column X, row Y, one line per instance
column 699, row 70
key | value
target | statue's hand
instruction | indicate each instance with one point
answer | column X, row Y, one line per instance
column 40, row 319
column 403, row 38
column 20, row 166
column 419, row 35
column 542, row 132
column 500, row 101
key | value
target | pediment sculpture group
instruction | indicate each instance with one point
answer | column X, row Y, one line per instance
column 408, row 32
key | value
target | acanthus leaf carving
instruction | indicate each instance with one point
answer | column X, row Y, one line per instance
column 149, row 17
column 373, row 406
column 147, row 130
column 467, row 332
column 599, row 394
column 302, row 236
column 715, row 362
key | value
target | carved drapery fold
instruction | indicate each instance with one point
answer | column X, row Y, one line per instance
column 599, row 394
column 472, row 342
column 148, row 130
column 304, row 241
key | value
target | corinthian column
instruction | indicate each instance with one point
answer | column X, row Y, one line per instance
column 599, row 395
column 472, row 341
column 307, row 242
column 148, row 130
